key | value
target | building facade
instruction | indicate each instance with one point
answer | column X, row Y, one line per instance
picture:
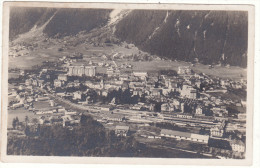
column 184, row 135
column 82, row 71
column 184, row 70
column 122, row 130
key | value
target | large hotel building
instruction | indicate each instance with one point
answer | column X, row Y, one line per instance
column 82, row 70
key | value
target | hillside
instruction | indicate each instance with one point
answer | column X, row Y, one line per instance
column 23, row 20
column 65, row 22
column 72, row 21
column 210, row 36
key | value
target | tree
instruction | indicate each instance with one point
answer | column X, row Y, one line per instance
column 84, row 119
column 146, row 57
column 27, row 131
column 135, row 58
column 35, row 121
column 26, row 120
column 15, row 122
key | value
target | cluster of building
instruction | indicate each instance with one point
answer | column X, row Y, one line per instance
column 185, row 99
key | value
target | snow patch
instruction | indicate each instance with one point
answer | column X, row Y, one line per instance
column 166, row 17
column 157, row 28
column 204, row 34
column 116, row 15
column 36, row 31
column 177, row 24
column 154, row 32
column 207, row 15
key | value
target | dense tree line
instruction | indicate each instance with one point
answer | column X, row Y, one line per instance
column 65, row 21
column 168, row 72
column 88, row 139
column 122, row 97
column 22, row 19
column 119, row 96
column 72, row 21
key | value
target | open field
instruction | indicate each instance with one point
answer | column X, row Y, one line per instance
column 41, row 105
column 13, row 75
column 223, row 72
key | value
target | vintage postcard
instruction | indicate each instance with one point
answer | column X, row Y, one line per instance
column 127, row 83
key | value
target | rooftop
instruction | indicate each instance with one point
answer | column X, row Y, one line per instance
column 121, row 127
column 176, row 133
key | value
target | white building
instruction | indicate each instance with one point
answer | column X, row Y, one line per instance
column 52, row 103
column 17, row 105
column 57, row 83
column 166, row 107
column 106, row 108
column 237, row 146
column 216, row 132
column 82, row 70
column 77, row 95
column 188, row 92
column 141, row 75
column 184, row 70
column 122, row 130
column 185, row 136
column 63, row 77
column 188, row 116
column 199, row 111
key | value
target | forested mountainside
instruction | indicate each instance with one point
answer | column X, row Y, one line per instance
column 210, row 36
column 24, row 19
column 72, row 21
column 63, row 22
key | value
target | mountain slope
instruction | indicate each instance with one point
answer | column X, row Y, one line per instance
column 211, row 36
column 72, row 21
column 24, row 19
column 65, row 22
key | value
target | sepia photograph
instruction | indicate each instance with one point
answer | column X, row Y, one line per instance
column 127, row 81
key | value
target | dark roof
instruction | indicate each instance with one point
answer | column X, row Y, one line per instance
column 113, row 116
column 219, row 143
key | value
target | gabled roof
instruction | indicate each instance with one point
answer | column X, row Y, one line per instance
column 120, row 127
column 113, row 116
column 237, row 142
column 198, row 136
